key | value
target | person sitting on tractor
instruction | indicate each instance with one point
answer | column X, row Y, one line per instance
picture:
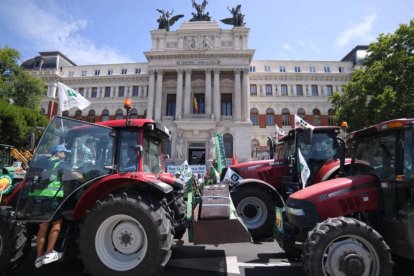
column 131, row 165
column 55, row 192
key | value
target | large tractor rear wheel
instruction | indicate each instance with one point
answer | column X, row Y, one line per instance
column 126, row 236
column 256, row 208
column 14, row 245
column 346, row 246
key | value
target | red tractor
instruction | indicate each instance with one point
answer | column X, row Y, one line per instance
column 351, row 225
column 121, row 219
column 267, row 183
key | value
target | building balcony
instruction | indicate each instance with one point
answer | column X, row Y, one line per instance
column 197, row 117
column 168, row 118
column 226, row 118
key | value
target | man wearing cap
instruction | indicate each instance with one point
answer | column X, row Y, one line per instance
column 53, row 190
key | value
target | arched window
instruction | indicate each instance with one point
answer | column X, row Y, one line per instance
column 270, row 117
column 78, row 114
column 65, row 113
column 331, row 117
column 316, row 117
column 91, row 116
column 134, row 113
column 119, row 114
column 254, row 116
column 301, row 113
column 255, row 144
column 105, row 115
column 285, row 117
column 228, row 145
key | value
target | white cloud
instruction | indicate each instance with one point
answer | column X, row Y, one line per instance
column 50, row 29
column 361, row 30
column 287, row 47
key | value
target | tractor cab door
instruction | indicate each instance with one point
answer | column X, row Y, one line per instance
column 69, row 156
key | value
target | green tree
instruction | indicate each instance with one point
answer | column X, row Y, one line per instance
column 384, row 89
column 16, row 83
column 16, row 123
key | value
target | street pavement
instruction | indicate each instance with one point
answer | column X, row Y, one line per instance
column 249, row 259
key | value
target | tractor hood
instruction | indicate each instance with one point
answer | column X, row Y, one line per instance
column 340, row 196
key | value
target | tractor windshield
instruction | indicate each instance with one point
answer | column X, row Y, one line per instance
column 69, row 154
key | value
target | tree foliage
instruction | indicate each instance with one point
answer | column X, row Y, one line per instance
column 16, row 83
column 384, row 89
column 16, row 124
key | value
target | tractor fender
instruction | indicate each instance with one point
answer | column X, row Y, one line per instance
column 331, row 168
column 110, row 184
column 262, row 185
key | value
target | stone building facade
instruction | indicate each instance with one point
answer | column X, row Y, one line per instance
column 200, row 80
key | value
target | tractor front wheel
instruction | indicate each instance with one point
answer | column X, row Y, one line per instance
column 346, row 246
column 126, row 236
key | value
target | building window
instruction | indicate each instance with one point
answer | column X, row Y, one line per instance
column 124, row 71
column 110, row 72
column 121, row 91
column 84, row 72
column 254, row 116
column 314, row 90
column 316, row 117
column 91, row 116
column 299, row 90
column 107, row 92
column 198, row 104
column 329, row 90
column 71, row 74
column 252, row 69
column 65, row 113
column 327, row 69
column 134, row 114
column 119, row 114
column 312, row 69
column 285, row 117
column 331, row 117
column 226, row 105
column 97, row 72
column 81, row 91
column 267, row 68
column 282, row 69
column 137, row 71
column 301, row 113
column 341, row 69
column 228, row 145
column 297, row 69
column 253, row 90
column 135, row 91
column 94, row 92
column 270, row 117
column 105, row 115
column 268, row 88
column 78, row 114
column 284, row 90
column 171, row 102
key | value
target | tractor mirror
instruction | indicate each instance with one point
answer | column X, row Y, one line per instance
column 139, row 148
column 166, row 156
column 150, row 127
column 307, row 136
column 31, row 140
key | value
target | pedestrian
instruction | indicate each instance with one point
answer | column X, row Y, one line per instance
column 52, row 194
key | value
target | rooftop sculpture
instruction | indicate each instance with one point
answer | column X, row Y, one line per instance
column 200, row 15
column 165, row 22
column 238, row 18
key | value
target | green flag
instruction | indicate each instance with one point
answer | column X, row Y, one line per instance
column 220, row 152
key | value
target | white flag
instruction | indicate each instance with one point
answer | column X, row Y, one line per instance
column 304, row 169
column 300, row 122
column 232, row 176
column 69, row 98
column 186, row 171
column 279, row 131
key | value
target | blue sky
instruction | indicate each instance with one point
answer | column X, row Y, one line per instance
column 116, row 31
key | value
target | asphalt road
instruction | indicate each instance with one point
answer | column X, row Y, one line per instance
column 249, row 259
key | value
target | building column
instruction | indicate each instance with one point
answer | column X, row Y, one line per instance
column 179, row 98
column 237, row 95
column 150, row 107
column 187, row 92
column 208, row 92
column 158, row 96
column 217, row 100
column 246, row 96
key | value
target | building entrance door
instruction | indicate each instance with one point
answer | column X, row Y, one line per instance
column 196, row 154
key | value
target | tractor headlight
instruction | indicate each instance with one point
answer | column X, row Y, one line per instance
column 295, row 212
